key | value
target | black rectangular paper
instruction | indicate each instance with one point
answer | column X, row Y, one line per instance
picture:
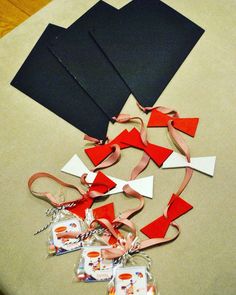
column 147, row 42
column 82, row 57
column 44, row 79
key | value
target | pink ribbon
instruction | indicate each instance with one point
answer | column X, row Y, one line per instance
column 112, row 159
column 48, row 196
column 131, row 245
column 93, row 139
column 143, row 163
column 125, row 118
column 164, row 110
column 128, row 213
column 183, row 148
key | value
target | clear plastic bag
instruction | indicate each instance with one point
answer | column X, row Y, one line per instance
column 92, row 267
column 132, row 280
column 63, row 223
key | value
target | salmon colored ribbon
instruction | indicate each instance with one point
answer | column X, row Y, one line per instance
column 125, row 118
column 121, row 220
column 99, row 153
column 183, row 148
column 128, row 213
column 124, row 246
column 143, row 163
column 100, row 185
column 113, row 158
column 95, row 140
column 164, row 110
column 48, row 196
column 161, row 115
column 157, row 153
column 186, row 125
column 141, row 166
column 132, row 245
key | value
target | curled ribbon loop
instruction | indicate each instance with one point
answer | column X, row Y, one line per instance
column 95, row 140
column 126, row 250
column 113, row 158
column 93, row 193
column 131, row 245
column 178, row 140
column 143, row 163
column 123, row 249
column 124, row 118
column 99, row 153
column 131, row 192
column 48, row 196
column 161, row 109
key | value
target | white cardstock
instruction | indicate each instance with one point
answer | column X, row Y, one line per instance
column 144, row 185
column 205, row 165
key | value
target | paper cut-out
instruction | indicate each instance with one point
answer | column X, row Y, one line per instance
column 45, row 80
column 85, row 61
column 157, row 153
column 100, row 179
column 106, row 211
column 76, row 167
column 205, row 165
column 147, row 41
column 159, row 227
column 186, row 125
column 99, row 153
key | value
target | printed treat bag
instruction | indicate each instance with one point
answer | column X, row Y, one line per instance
column 64, row 226
column 92, row 267
column 58, row 242
column 134, row 280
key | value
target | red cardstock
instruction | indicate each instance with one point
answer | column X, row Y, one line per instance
column 100, row 152
column 108, row 212
column 157, row 153
column 159, row 227
column 186, row 125
column 101, row 184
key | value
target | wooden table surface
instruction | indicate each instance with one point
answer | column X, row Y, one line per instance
column 14, row 12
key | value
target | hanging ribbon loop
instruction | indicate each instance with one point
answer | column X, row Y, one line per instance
column 48, row 196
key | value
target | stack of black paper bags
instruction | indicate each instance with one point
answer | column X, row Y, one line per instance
column 85, row 73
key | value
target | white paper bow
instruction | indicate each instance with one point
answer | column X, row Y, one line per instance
column 203, row 164
column 144, row 186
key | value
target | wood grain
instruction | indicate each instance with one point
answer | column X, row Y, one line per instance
column 14, row 12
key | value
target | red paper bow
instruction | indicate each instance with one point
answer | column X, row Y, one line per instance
column 158, row 228
column 157, row 153
column 100, row 152
column 186, row 125
column 108, row 212
column 101, row 184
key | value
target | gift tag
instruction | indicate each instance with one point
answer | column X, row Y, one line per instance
column 93, row 267
column 131, row 280
column 61, row 245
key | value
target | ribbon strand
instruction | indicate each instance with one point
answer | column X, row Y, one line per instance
column 164, row 110
column 48, row 196
column 183, row 148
